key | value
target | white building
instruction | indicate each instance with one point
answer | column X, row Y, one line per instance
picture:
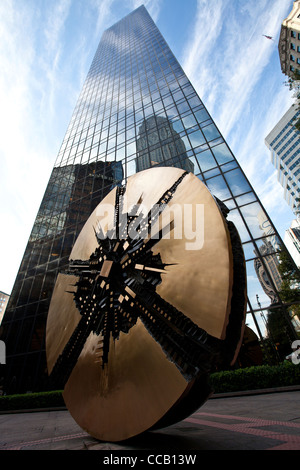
column 289, row 41
column 284, row 144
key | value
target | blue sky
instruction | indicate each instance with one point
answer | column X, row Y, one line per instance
column 46, row 48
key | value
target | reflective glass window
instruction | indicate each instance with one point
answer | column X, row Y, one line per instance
column 183, row 107
column 218, row 187
column 189, row 121
column 245, row 199
column 210, row 173
column 186, row 142
column 271, row 242
column 259, row 285
column 196, row 138
column 236, row 218
column 210, row 132
column 202, row 115
column 178, row 126
column 249, row 250
column 237, row 182
column 256, row 219
column 206, row 160
column 222, row 153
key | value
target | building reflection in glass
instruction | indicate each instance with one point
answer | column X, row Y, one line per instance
column 159, row 144
column 267, row 270
column 72, row 194
column 266, row 262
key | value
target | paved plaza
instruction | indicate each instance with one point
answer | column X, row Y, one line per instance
column 268, row 421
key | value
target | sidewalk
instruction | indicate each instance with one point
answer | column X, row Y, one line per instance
column 255, row 422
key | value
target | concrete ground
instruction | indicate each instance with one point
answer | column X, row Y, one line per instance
column 267, row 421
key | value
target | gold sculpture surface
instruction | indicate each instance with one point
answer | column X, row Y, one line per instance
column 153, row 301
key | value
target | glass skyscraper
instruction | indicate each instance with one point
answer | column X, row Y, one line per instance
column 137, row 109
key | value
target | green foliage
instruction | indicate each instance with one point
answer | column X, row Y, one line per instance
column 251, row 378
column 297, row 125
column 256, row 377
column 293, row 83
column 296, row 206
column 290, row 287
column 287, row 269
column 31, row 401
column 280, row 331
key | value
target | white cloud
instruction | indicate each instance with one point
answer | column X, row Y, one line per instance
column 55, row 23
column 53, row 27
column 254, row 156
column 236, row 72
column 153, row 7
column 25, row 158
column 199, row 50
column 105, row 14
column 247, row 63
column 226, row 54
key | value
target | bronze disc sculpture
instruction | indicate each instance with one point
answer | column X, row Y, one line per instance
column 153, row 302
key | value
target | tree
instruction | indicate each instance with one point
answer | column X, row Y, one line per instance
column 293, row 83
column 290, row 287
column 279, row 332
column 288, row 271
column 296, row 206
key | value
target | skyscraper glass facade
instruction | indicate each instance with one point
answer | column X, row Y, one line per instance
column 137, row 109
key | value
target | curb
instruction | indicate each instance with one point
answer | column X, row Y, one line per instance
column 244, row 393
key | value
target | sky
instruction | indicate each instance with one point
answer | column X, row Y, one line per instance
column 46, row 49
